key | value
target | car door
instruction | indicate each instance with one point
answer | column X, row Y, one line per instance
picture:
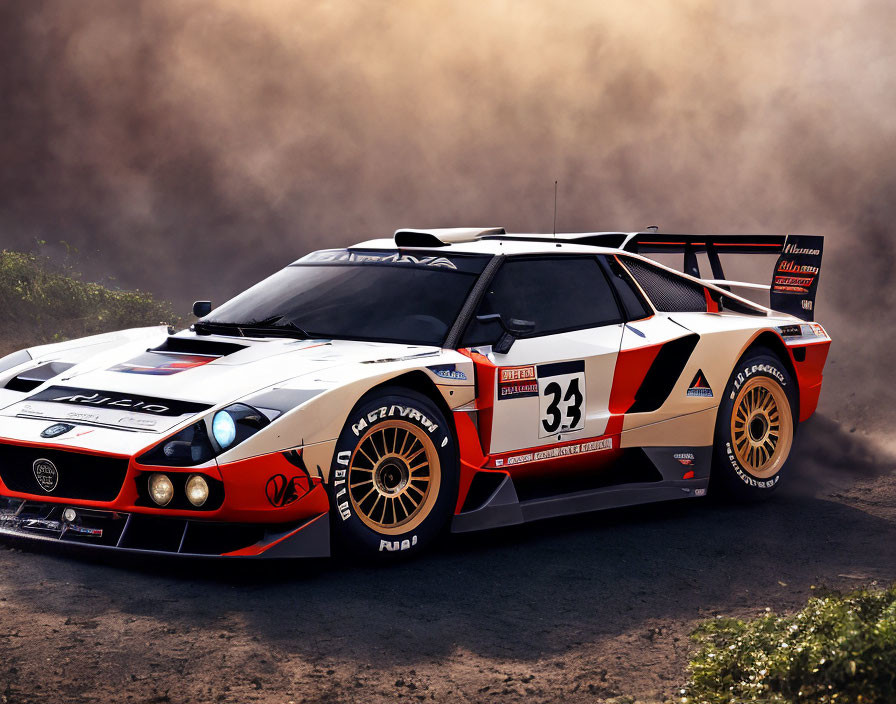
column 552, row 388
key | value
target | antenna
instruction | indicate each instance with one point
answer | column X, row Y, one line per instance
column 554, row 231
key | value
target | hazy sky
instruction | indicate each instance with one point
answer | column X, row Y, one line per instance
column 190, row 148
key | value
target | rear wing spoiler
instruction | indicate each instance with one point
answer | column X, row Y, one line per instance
column 795, row 278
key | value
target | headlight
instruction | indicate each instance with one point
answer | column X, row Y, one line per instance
column 14, row 360
column 161, row 489
column 195, row 444
column 232, row 425
column 197, row 490
column 224, row 429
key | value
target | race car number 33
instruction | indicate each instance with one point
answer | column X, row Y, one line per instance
column 561, row 397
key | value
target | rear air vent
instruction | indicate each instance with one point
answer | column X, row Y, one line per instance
column 32, row 378
column 668, row 292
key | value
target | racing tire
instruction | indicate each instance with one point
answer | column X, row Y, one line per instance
column 755, row 428
column 393, row 482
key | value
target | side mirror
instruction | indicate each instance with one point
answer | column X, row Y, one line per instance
column 202, row 308
column 510, row 330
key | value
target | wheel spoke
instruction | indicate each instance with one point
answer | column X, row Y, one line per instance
column 364, row 498
column 411, row 458
column 401, row 500
column 424, row 463
column 404, row 439
column 364, row 452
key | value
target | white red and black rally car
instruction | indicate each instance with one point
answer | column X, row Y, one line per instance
column 374, row 396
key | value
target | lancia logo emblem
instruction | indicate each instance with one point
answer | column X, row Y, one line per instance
column 46, row 474
column 54, row 431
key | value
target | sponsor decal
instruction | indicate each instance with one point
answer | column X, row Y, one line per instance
column 795, row 249
column 282, row 491
column 517, row 382
column 561, row 451
column 791, row 331
column 796, row 275
column 357, row 257
column 448, row 371
column 46, row 474
column 699, row 386
column 685, row 458
column 54, row 431
column 94, row 532
column 561, row 390
column 159, row 364
column 111, row 399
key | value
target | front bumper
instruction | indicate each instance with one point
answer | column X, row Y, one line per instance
column 104, row 529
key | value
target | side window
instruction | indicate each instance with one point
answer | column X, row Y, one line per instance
column 636, row 308
column 555, row 293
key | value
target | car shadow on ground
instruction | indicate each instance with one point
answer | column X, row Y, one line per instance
column 525, row 592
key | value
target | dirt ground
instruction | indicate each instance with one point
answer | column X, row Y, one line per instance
column 590, row 608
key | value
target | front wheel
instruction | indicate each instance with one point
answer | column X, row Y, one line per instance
column 394, row 477
column 755, row 427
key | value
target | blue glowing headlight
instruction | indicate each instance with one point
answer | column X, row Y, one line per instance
column 193, row 445
column 224, row 429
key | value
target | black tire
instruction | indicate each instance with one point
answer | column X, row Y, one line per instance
column 368, row 459
column 761, row 399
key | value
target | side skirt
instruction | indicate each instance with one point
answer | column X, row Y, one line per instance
column 503, row 507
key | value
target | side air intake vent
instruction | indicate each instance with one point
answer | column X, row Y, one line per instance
column 669, row 293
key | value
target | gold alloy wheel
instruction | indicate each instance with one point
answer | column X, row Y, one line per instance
column 761, row 427
column 394, row 477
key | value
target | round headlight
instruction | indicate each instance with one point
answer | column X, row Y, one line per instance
column 197, row 490
column 161, row 489
column 224, row 429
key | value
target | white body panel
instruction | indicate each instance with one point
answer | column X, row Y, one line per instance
column 528, row 420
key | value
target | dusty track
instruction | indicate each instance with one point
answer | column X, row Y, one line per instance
column 581, row 609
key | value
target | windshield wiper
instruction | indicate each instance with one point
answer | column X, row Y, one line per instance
column 263, row 328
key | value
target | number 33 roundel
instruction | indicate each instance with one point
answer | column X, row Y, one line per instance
column 561, row 395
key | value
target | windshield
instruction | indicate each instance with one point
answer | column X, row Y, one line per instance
column 383, row 296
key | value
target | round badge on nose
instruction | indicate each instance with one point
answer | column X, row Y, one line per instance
column 46, row 474
column 54, row 431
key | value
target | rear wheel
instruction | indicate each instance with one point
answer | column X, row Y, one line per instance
column 394, row 477
column 754, row 428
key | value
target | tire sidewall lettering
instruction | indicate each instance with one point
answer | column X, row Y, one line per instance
column 359, row 422
column 751, row 370
column 408, row 413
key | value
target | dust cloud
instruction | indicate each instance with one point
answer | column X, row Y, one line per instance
column 191, row 148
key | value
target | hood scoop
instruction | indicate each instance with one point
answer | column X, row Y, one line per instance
column 192, row 345
column 175, row 355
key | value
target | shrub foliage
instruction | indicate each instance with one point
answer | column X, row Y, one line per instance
column 839, row 648
column 41, row 304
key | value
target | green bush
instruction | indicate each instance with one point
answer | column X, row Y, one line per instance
column 839, row 648
column 39, row 303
